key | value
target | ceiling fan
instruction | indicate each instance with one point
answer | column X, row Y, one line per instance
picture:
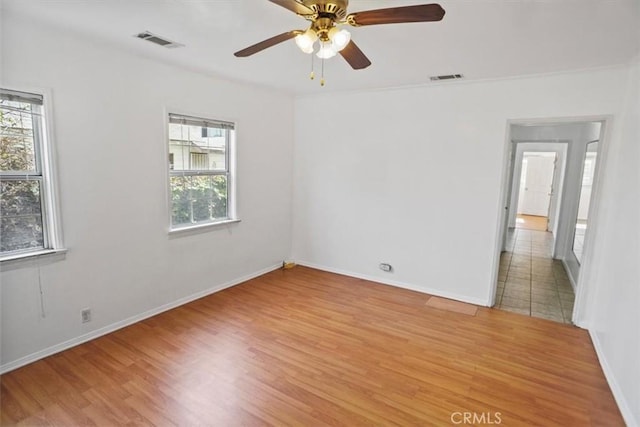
column 327, row 15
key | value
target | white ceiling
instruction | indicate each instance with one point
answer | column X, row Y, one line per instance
column 481, row 39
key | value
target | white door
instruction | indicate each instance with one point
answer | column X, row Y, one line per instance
column 535, row 193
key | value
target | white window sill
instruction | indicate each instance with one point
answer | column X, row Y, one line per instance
column 44, row 253
column 202, row 227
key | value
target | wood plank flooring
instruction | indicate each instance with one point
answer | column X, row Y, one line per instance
column 304, row 347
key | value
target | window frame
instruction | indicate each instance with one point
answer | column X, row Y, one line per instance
column 45, row 173
column 229, row 172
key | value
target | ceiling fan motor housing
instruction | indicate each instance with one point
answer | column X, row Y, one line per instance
column 336, row 9
column 325, row 15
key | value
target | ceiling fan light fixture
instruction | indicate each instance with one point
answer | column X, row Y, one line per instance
column 326, row 51
column 339, row 38
column 307, row 48
column 306, row 40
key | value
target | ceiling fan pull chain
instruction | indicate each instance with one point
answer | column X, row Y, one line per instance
column 312, row 75
column 322, row 73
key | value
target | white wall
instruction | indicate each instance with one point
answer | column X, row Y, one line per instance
column 111, row 154
column 388, row 176
column 612, row 313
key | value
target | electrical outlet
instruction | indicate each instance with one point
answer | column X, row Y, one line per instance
column 86, row 315
column 386, row 267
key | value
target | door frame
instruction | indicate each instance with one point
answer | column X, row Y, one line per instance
column 584, row 295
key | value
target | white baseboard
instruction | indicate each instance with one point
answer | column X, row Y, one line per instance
column 403, row 285
column 618, row 395
column 569, row 275
column 10, row 366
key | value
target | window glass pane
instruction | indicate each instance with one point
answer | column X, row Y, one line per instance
column 197, row 148
column 21, row 215
column 180, row 200
column 197, row 199
column 17, row 148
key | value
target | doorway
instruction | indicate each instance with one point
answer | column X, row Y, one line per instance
column 535, row 190
column 550, row 168
column 549, row 155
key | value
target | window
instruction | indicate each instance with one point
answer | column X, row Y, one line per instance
column 26, row 213
column 199, row 171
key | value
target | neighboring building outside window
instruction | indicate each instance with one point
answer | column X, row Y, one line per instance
column 200, row 172
column 27, row 214
column 199, row 161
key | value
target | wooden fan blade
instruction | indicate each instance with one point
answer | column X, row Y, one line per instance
column 397, row 15
column 293, row 6
column 354, row 56
column 267, row 43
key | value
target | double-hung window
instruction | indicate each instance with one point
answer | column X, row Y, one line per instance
column 27, row 223
column 200, row 172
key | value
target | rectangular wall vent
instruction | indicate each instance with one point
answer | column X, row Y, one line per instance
column 160, row 41
column 446, row 77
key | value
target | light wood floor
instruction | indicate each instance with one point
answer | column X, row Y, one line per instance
column 531, row 222
column 304, row 347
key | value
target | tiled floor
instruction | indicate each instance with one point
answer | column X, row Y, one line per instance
column 531, row 282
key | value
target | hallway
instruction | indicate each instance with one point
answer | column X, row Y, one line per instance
column 531, row 282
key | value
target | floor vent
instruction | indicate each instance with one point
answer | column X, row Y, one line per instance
column 446, row 77
column 160, row 41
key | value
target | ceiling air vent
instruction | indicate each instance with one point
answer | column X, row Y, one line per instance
column 446, row 77
column 160, row 41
